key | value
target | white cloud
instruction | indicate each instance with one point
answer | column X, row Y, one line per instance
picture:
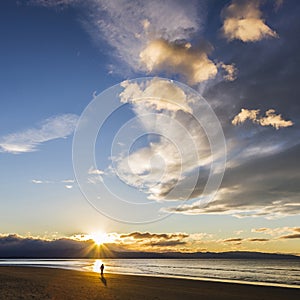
column 94, row 171
column 68, row 181
column 182, row 146
column 270, row 118
column 96, row 175
column 68, row 186
column 157, row 94
column 37, row 181
column 243, row 21
column 28, row 140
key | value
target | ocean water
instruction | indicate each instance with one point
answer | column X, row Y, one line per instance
column 279, row 272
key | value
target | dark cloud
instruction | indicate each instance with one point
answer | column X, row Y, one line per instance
column 233, row 240
column 258, row 240
column 147, row 235
column 167, row 243
column 267, row 186
column 291, row 236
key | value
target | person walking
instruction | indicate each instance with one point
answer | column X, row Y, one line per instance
column 102, row 269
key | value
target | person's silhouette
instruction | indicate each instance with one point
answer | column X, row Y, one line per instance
column 102, row 269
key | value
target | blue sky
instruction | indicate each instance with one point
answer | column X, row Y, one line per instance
column 58, row 56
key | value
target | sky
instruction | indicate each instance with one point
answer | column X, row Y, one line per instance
column 163, row 125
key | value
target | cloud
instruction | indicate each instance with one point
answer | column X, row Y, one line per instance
column 167, row 243
column 178, row 58
column 37, row 181
column 243, row 21
column 270, row 118
column 68, row 186
column 68, row 181
column 258, row 240
column 263, row 187
column 147, row 235
column 157, row 95
column 244, row 115
column 232, row 240
column 164, row 168
column 96, row 175
column 128, row 36
column 291, row 236
column 53, row 3
column 28, row 140
column 158, row 240
column 95, row 171
column 231, row 71
column 276, row 231
column 156, row 37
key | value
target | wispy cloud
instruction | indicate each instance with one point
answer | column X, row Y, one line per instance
column 243, row 21
column 29, row 140
column 68, row 181
column 232, row 240
column 37, row 181
column 270, row 118
column 159, row 36
column 68, row 187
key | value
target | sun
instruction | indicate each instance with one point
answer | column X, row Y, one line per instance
column 100, row 238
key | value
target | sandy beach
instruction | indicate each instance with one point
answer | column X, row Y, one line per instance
column 46, row 283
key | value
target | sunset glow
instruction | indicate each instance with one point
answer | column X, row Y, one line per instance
column 100, row 238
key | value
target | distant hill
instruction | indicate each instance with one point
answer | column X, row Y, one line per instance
column 207, row 255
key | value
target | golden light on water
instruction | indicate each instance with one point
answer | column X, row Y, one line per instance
column 96, row 265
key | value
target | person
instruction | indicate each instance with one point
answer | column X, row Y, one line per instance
column 102, row 269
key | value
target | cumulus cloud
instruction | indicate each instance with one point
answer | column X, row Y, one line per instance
column 244, row 115
column 270, row 118
column 243, row 21
column 157, row 94
column 28, row 140
column 181, row 148
column 175, row 58
column 231, row 71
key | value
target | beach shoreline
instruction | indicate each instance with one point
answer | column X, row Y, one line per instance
column 53, row 283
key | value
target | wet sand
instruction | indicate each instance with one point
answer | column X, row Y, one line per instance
column 46, row 283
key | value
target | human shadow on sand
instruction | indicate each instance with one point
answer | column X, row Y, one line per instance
column 102, row 278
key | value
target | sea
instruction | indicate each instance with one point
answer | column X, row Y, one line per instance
column 270, row 272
